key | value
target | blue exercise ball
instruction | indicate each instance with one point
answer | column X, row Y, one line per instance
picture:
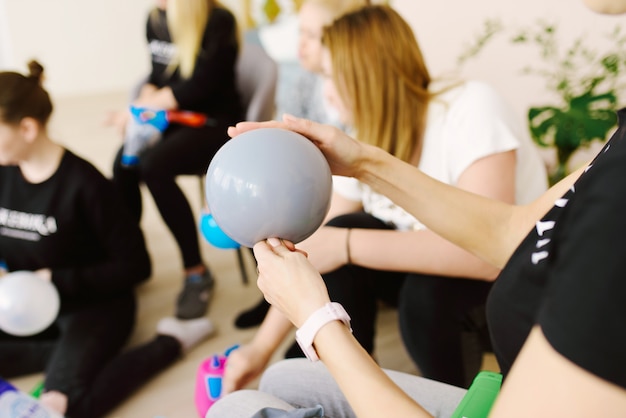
column 214, row 234
column 268, row 182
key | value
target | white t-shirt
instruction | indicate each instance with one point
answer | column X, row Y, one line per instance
column 463, row 125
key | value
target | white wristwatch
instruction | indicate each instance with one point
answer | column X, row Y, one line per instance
column 332, row 311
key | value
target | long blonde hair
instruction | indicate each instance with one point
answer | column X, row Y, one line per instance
column 381, row 76
column 186, row 21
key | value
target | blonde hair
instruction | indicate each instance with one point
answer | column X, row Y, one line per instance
column 186, row 24
column 381, row 76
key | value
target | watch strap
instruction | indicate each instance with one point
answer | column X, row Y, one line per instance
column 332, row 311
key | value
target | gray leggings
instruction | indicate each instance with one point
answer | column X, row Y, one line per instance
column 294, row 383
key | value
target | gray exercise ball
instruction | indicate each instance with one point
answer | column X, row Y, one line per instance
column 268, row 182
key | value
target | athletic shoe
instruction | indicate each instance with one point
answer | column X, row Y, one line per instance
column 252, row 316
column 193, row 300
column 188, row 332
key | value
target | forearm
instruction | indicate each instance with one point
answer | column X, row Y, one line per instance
column 272, row 332
column 478, row 224
column 422, row 252
column 357, row 374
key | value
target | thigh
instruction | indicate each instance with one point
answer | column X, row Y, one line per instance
column 436, row 315
column 90, row 337
column 244, row 404
column 183, row 151
column 25, row 355
column 302, row 383
column 359, row 289
column 433, row 298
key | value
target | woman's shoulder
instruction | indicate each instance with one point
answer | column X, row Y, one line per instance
column 222, row 14
column 81, row 170
column 473, row 99
column 221, row 22
column 467, row 92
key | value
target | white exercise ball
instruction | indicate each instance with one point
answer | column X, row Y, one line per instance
column 28, row 303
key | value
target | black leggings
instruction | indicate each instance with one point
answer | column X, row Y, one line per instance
column 182, row 151
column 436, row 314
column 81, row 356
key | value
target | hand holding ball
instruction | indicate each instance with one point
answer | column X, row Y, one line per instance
column 28, row 303
column 267, row 183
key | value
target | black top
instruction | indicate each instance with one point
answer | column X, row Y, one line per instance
column 212, row 87
column 75, row 224
column 569, row 274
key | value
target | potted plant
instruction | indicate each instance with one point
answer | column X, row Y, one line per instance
column 584, row 80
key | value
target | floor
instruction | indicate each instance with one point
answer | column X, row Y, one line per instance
column 78, row 124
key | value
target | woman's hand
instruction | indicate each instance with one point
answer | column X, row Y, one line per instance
column 244, row 365
column 288, row 280
column 44, row 274
column 118, row 119
column 343, row 153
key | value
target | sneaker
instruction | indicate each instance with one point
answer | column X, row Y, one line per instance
column 193, row 300
column 188, row 332
column 252, row 316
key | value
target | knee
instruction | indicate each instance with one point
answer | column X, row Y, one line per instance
column 289, row 370
column 246, row 403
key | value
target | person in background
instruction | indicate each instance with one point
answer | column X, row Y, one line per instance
column 556, row 312
column 193, row 46
column 305, row 97
column 370, row 248
column 62, row 219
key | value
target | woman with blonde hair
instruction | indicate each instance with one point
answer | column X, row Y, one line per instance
column 371, row 249
column 556, row 310
column 193, row 47
column 304, row 97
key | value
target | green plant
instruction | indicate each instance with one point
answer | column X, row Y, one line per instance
column 585, row 80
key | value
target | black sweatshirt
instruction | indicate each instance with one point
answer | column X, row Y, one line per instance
column 212, row 87
column 75, row 224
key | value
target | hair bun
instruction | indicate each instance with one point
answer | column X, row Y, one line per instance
column 35, row 70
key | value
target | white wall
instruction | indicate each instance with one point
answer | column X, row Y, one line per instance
column 444, row 29
column 90, row 46
column 5, row 44
column 86, row 46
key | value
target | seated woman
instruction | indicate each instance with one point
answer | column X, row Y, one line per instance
column 556, row 312
column 371, row 249
column 304, row 97
column 62, row 219
column 193, row 46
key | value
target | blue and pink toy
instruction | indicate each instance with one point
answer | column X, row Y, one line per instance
column 146, row 127
column 209, row 381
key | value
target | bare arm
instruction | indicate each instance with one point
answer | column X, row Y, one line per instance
column 544, row 383
column 357, row 375
column 488, row 228
column 420, row 251
column 541, row 383
column 248, row 362
column 428, row 253
column 293, row 285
